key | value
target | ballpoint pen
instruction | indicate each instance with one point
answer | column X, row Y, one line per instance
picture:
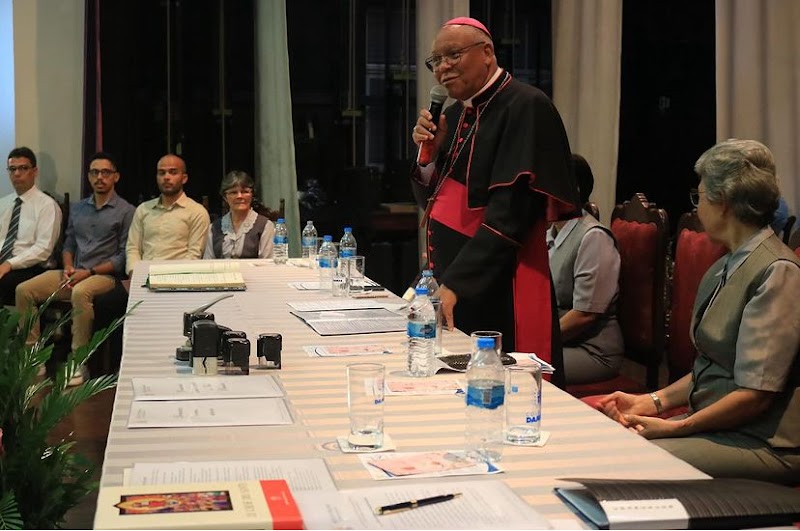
column 413, row 504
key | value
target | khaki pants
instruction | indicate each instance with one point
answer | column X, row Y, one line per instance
column 36, row 290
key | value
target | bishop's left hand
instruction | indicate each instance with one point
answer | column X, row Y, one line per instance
column 449, row 300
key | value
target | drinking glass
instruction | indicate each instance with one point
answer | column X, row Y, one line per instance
column 523, row 403
column 365, row 404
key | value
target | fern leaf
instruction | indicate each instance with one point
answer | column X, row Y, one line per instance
column 9, row 512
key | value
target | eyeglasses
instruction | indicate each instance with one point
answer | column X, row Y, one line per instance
column 22, row 168
column 105, row 172
column 243, row 191
column 694, row 196
column 451, row 58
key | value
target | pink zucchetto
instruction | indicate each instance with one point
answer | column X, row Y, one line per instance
column 467, row 21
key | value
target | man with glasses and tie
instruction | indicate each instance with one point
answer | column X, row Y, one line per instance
column 501, row 170
column 93, row 255
column 30, row 224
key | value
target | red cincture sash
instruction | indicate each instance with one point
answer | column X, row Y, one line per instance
column 531, row 285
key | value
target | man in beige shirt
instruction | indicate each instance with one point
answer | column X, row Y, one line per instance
column 171, row 226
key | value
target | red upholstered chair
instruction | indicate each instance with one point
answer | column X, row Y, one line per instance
column 694, row 254
column 641, row 231
column 794, row 242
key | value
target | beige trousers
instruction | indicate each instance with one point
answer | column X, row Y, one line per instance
column 36, row 290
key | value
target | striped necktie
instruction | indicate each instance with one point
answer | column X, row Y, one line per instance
column 11, row 235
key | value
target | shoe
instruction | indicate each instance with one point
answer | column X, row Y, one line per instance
column 42, row 370
column 81, row 376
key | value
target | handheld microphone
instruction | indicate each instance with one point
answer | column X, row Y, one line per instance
column 438, row 97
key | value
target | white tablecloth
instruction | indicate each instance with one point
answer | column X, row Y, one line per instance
column 583, row 443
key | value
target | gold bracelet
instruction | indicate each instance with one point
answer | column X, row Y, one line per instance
column 657, row 402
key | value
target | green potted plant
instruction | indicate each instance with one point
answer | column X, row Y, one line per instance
column 41, row 479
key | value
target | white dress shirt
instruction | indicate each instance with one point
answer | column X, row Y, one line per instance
column 39, row 227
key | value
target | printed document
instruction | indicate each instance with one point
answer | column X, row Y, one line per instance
column 482, row 505
column 203, row 413
column 367, row 321
column 300, row 474
column 205, row 387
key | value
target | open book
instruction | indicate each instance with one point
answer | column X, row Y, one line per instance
column 683, row 504
column 205, row 275
column 263, row 504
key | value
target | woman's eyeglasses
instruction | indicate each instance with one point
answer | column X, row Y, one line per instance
column 234, row 193
column 694, row 196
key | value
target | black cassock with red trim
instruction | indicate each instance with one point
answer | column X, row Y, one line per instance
column 503, row 173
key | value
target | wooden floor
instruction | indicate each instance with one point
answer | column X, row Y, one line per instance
column 89, row 427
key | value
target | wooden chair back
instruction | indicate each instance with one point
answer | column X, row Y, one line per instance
column 592, row 209
column 273, row 215
column 642, row 233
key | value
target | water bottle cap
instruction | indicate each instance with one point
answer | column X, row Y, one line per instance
column 422, row 291
column 486, row 342
column 281, row 220
column 348, row 229
column 309, row 223
column 327, row 238
column 427, row 273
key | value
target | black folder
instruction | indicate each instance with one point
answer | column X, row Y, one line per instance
column 709, row 503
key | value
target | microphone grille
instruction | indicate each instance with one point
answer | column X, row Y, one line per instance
column 438, row 94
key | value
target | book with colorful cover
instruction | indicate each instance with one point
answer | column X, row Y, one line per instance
column 264, row 504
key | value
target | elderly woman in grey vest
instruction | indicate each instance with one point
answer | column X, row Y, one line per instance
column 742, row 394
column 241, row 232
column 584, row 264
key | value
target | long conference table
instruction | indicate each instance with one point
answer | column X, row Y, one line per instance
column 583, row 442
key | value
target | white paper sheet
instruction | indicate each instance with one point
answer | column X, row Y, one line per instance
column 359, row 321
column 302, row 475
column 205, row 388
column 322, row 305
column 203, row 413
column 482, row 505
column 339, row 351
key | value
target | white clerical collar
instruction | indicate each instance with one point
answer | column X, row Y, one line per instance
column 468, row 102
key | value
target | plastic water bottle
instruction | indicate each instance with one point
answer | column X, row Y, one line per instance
column 327, row 262
column 421, row 335
column 429, row 282
column 309, row 240
column 347, row 245
column 280, row 250
column 485, row 400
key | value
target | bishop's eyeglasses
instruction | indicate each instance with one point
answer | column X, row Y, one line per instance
column 451, row 58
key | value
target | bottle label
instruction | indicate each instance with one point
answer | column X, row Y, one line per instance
column 486, row 397
column 346, row 252
column 278, row 240
column 422, row 330
column 325, row 261
column 309, row 241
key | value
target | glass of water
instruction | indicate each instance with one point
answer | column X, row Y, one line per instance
column 523, row 403
column 365, row 404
